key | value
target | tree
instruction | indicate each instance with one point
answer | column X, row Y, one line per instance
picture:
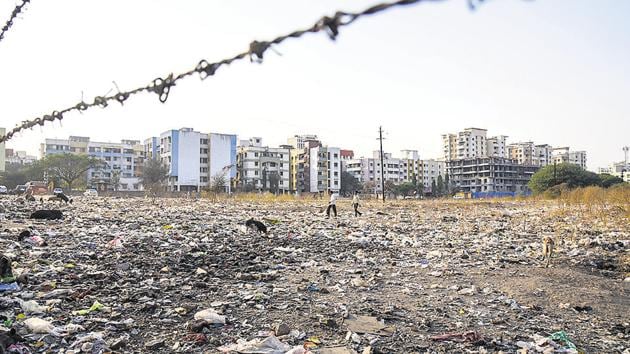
column 608, row 180
column 349, row 184
column 447, row 184
column 440, row 185
column 217, row 185
column 16, row 174
column 433, row 188
column 153, row 176
column 570, row 174
column 274, row 182
column 69, row 167
column 406, row 188
column 115, row 180
column 391, row 188
column 369, row 187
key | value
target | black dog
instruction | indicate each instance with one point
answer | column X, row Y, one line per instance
column 24, row 234
column 47, row 214
column 257, row 225
column 64, row 198
column 9, row 338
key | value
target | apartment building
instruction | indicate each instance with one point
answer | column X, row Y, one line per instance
column 565, row 155
column 257, row 166
column 473, row 142
column 122, row 161
column 193, row 158
column 299, row 141
column 19, row 157
column 316, row 168
column 396, row 170
column 528, row 153
column 490, row 174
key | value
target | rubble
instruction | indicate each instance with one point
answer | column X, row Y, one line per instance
column 180, row 276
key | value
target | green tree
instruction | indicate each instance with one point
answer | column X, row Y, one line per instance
column 406, row 188
column 447, row 184
column 440, row 185
column 391, row 188
column 154, row 174
column 68, row 167
column 349, row 184
column 570, row 174
column 433, row 188
column 608, row 180
column 274, row 182
column 115, row 180
column 16, row 174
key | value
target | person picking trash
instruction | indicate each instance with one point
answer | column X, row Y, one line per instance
column 355, row 204
column 332, row 204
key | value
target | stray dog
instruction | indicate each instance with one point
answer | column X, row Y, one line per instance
column 548, row 245
column 6, row 273
column 47, row 214
column 63, row 197
column 256, row 225
column 9, row 338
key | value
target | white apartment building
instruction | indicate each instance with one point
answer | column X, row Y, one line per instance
column 396, row 170
column 193, row 158
column 316, row 168
column 528, row 153
column 256, row 164
column 299, row 141
column 473, row 142
column 124, row 159
column 564, row 155
column 619, row 169
column 19, row 157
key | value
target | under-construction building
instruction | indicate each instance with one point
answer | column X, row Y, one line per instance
column 490, row 174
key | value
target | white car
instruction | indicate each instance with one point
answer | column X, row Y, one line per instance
column 91, row 192
column 3, row 190
column 57, row 191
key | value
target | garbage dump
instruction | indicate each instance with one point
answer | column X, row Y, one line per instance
column 181, row 276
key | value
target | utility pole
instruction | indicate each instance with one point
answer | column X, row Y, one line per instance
column 380, row 138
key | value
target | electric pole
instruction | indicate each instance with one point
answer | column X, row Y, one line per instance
column 380, row 138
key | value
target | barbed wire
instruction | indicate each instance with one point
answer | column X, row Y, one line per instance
column 205, row 69
column 16, row 11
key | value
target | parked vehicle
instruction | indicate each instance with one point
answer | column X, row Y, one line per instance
column 19, row 189
column 3, row 190
column 36, row 188
column 57, row 191
column 91, row 192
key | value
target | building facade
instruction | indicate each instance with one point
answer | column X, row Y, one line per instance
column 315, row 168
column 194, row 158
column 528, row 153
column 473, row 142
column 565, row 155
column 122, row 162
column 408, row 168
column 490, row 174
column 19, row 157
column 258, row 166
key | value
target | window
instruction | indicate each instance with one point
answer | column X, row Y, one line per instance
column 256, row 173
column 256, row 163
column 255, row 154
column 203, row 160
column 336, row 155
column 281, row 164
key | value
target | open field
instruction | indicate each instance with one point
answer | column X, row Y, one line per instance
column 416, row 269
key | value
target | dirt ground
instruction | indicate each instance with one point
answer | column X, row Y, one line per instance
column 436, row 277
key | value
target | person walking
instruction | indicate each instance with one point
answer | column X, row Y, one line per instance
column 332, row 204
column 355, row 204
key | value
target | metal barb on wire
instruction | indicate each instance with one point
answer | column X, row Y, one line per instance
column 162, row 87
column 16, row 11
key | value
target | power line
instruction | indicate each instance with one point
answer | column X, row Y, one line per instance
column 380, row 138
column 14, row 14
column 257, row 49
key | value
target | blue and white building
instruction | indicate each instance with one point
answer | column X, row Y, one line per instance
column 193, row 158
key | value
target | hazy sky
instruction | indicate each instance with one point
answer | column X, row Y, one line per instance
column 551, row 71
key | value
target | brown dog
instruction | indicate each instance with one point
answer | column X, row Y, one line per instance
column 548, row 248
